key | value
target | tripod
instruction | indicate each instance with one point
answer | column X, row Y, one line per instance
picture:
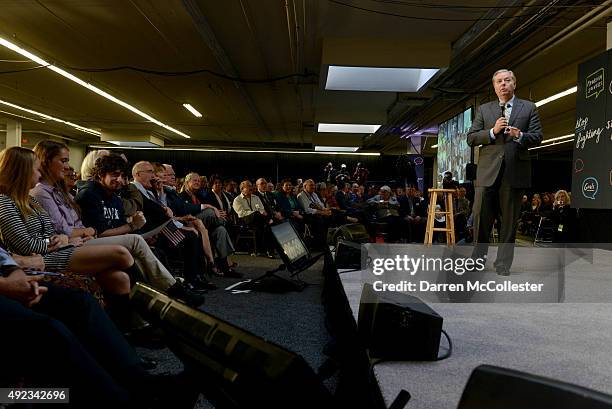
column 292, row 282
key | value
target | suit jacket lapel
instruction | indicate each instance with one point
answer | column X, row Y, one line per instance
column 516, row 109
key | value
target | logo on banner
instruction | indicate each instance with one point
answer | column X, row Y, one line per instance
column 590, row 187
column 578, row 165
column 595, row 83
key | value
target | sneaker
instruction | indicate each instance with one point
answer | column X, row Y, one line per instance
column 180, row 292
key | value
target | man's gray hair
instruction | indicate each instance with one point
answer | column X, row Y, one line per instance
column 504, row 70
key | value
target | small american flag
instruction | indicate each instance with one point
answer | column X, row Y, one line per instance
column 172, row 233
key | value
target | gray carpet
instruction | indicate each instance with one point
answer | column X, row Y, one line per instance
column 294, row 320
column 570, row 341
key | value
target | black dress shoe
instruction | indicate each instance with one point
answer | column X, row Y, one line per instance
column 201, row 284
column 189, row 297
column 231, row 273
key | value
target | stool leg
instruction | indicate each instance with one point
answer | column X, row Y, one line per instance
column 450, row 220
column 430, row 218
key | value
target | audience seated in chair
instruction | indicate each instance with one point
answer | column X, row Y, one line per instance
column 251, row 211
column 61, row 337
column 103, row 211
column 26, row 229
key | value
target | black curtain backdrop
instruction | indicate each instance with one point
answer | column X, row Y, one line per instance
column 273, row 166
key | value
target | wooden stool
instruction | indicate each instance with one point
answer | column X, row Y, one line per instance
column 431, row 214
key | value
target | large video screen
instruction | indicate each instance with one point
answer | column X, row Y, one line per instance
column 453, row 150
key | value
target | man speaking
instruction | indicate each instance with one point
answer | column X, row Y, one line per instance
column 505, row 129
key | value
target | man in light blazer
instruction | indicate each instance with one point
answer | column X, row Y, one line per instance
column 504, row 129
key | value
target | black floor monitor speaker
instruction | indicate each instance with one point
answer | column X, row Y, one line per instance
column 355, row 232
column 237, row 369
column 501, row 388
column 398, row 327
column 348, row 255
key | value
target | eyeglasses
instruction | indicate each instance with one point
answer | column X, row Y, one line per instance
column 146, row 171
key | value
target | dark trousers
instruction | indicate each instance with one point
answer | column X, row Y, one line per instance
column 67, row 340
column 502, row 202
column 260, row 223
column 189, row 251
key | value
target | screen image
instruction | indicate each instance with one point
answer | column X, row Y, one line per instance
column 453, row 150
column 290, row 242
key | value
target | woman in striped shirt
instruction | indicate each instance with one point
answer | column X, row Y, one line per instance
column 25, row 228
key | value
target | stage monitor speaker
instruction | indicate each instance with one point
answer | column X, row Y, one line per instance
column 355, row 232
column 237, row 369
column 501, row 388
column 398, row 327
column 348, row 255
column 470, row 171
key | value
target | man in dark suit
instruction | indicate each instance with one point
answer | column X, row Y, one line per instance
column 504, row 129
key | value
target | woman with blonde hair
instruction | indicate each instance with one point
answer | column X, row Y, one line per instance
column 26, row 229
column 191, row 190
column 564, row 218
column 89, row 161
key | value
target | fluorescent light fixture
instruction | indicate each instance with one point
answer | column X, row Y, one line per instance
column 52, row 118
column 558, row 138
column 347, row 128
column 135, row 144
column 377, row 78
column 191, row 109
column 556, row 96
column 551, row 144
column 336, row 148
column 434, row 146
column 244, row 151
column 21, row 116
column 87, row 85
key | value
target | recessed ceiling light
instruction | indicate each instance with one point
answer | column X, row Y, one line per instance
column 434, row 146
column 556, row 96
column 246, row 151
column 52, row 118
column 377, row 79
column 336, row 148
column 21, row 116
column 87, row 85
column 191, row 109
column 347, row 128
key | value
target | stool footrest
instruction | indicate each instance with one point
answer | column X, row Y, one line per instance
column 441, row 229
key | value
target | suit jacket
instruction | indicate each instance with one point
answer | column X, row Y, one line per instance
column 211, row 199
column 268, row 200
column 492, row 153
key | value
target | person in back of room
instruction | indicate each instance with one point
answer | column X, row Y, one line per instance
column 251, row 211
column 564, row 218
column 267, row 199
column 506, row 128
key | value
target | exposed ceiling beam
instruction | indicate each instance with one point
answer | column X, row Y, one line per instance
column 208, row 35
